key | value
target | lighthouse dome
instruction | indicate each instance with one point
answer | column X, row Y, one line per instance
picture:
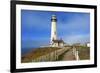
column 53, row 16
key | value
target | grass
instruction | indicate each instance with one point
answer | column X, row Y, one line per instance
column 37, row 53
column 84, row 53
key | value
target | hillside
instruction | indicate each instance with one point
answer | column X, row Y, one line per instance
column 37, row 53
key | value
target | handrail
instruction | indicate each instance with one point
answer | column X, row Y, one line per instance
column 51, row 56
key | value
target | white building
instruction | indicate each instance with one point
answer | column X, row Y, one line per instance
column 57, row 43
column 88, row 44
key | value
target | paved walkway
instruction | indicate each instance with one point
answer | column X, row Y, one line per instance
column 68, row 56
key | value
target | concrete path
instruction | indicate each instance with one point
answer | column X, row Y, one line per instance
column 68, row 56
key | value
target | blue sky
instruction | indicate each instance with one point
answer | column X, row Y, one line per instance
column 72, row 27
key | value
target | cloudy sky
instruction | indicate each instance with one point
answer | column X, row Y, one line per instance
column 72, row 27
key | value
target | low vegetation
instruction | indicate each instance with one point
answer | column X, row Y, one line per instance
column 84, row 52
column 37, row 53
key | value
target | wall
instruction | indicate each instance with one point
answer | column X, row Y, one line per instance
column 5, row 37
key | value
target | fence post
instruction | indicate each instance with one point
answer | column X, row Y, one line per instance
column 77, row 55
column 75, row 52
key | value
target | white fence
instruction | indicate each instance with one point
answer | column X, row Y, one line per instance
column 75, row 52
column 51, row 56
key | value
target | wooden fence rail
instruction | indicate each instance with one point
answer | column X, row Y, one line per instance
column 53, row 56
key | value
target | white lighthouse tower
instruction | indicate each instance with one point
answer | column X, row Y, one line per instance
column 54, row 41
column 53, row 28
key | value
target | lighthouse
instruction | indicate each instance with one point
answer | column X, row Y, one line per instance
column 53, row 28
column 54, row 41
